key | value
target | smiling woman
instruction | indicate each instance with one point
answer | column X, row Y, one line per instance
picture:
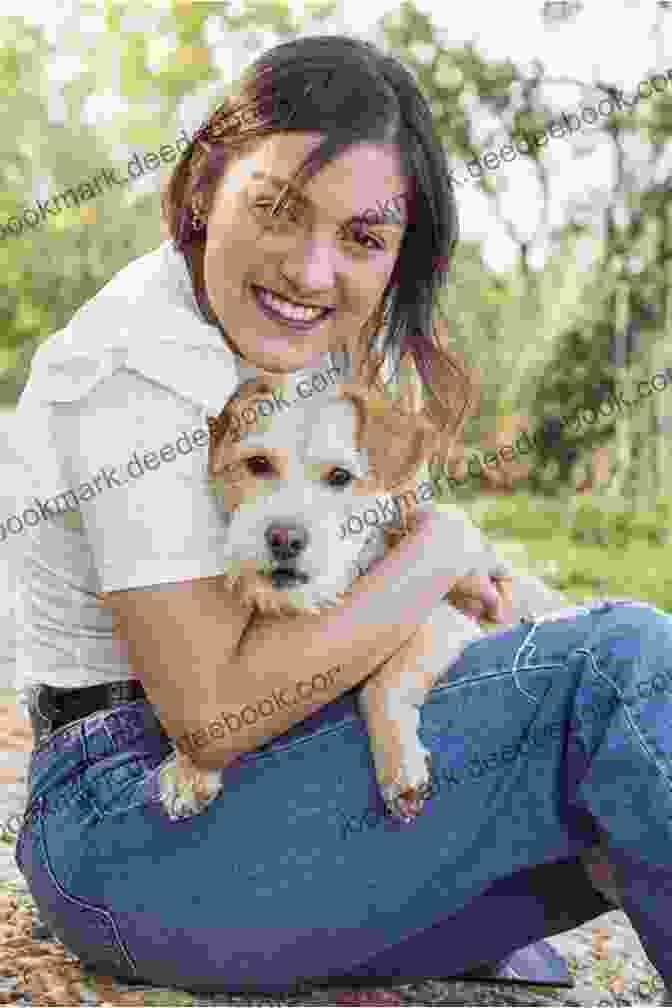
column 278, row 204
column 275, row 267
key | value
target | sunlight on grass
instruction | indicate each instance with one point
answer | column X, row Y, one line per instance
column 627, row 562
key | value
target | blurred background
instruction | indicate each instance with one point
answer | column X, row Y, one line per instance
column 559, row 295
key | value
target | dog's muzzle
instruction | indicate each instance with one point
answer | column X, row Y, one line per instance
column 286, row 541
column 286, row 577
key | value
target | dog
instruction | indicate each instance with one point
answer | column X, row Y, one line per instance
column 287, row 486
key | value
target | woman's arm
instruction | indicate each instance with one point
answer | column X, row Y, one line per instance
column 203, row 658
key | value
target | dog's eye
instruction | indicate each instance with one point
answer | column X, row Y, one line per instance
column 339, row 477
column 259, row 465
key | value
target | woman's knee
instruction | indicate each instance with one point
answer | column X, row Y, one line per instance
column 630, row 648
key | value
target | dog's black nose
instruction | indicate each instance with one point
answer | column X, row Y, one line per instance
column 286, row 541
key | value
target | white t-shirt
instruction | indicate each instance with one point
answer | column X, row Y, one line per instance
column 112, row 433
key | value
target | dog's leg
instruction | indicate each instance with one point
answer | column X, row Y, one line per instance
column 186, row 790
column 388, row 703
column 390, row 699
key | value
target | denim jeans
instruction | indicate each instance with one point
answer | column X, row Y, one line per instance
column 544, row 738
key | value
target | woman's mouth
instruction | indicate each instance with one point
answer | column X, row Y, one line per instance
column 286, row 312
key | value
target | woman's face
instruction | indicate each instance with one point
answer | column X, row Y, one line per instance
column 315, row 254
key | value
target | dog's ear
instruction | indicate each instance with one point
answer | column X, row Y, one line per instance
column 396, row 440
column 238, row 415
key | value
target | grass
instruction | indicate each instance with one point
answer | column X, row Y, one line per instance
column 637, row 570
column 594, row 552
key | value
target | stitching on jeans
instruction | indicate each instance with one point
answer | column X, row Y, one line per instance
column 531, row 654
column 57, row 800
column 662, row 769
column 145, row 776
column 121, row 948
column 504, row 669
column 484, row 677
column 68, row 791
column 514, row 669
column 142, row 802
column 599, row 673
column 569, row 613
column 155, row 772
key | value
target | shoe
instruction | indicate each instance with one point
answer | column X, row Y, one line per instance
column 538, row 963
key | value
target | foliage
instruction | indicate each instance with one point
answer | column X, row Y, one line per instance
column 614, row 552
column 55, row 142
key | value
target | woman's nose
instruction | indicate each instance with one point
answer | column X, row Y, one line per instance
column 312, row 267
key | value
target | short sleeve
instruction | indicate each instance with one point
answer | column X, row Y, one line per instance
column 135, row 457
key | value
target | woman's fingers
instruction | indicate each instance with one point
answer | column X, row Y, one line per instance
column 504, row 589
column 483, row 598
column 473, row 595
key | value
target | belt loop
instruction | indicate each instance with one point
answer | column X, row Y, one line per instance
column 42, row 723
column 120, row 692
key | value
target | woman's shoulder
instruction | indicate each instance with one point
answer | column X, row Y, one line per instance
column 145, row 319
column 144, row 287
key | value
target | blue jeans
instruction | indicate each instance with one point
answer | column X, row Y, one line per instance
column 544, row 738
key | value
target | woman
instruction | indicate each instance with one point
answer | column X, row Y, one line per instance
column 543, row 739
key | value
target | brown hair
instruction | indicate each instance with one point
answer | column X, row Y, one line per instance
column 316, row 84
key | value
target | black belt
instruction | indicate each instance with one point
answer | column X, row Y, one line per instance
column 52, row 708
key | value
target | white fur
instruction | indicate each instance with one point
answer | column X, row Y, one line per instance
column 324, row 431
column 321, row 431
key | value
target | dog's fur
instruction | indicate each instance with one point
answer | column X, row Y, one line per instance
column 282, row 473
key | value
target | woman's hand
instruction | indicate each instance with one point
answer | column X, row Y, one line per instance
column 483, row 598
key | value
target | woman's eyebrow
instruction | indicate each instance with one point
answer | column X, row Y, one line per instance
column 386, row 215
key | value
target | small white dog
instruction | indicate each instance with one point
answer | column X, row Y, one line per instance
column 287, row 486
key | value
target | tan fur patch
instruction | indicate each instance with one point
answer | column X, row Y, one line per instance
column 397, row 442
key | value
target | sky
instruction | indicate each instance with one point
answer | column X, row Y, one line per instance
column 608, row 40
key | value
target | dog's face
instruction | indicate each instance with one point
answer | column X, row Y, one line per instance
column 291, row 482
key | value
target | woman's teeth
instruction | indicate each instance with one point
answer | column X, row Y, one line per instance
column 296, row 313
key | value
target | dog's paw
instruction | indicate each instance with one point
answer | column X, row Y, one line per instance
column 185, row 795
column 406, row 801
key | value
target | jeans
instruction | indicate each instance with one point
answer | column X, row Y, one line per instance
column 544, row 738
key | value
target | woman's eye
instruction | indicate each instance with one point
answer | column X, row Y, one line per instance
column 293, row 212
column 360, row 236
column 339, row 477
column 258, row 465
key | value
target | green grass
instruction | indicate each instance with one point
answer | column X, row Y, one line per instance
column 630, row 562
column 637, row 570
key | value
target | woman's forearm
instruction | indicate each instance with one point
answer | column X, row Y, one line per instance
column 286, row 668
